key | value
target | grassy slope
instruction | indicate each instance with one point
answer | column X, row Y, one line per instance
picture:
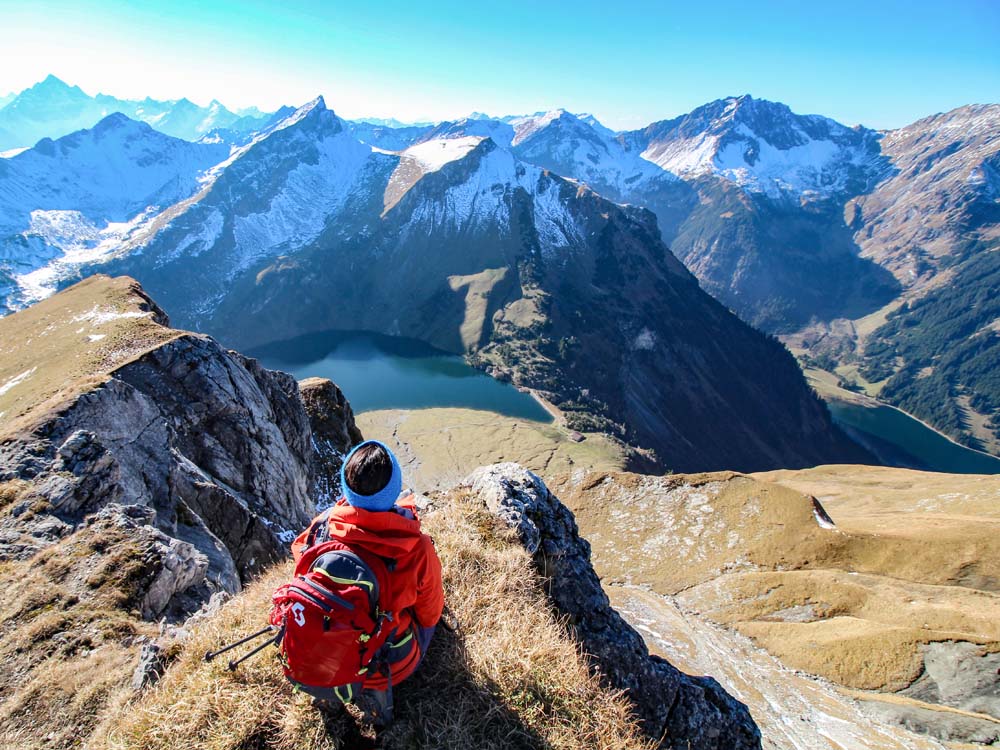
column 65, row 345
column 510, row 677
column 69, row 618
column 853, row 604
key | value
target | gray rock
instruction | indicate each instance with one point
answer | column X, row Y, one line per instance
column 942, row 725
column 334, row 433
column 217, row 449
column 961, row 675
column 679, row 711
column 181, row 566
column 150, row 667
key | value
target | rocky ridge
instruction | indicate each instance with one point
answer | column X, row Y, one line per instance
column 215, row 450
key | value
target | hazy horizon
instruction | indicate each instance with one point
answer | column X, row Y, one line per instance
column 882, row 66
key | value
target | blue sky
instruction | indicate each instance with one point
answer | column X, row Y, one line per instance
column 882, row 64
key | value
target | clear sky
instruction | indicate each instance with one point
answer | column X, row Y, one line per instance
column 880, row 63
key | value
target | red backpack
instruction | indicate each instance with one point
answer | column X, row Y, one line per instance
column 332, row 631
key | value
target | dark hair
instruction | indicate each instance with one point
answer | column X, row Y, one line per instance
column 368, row 470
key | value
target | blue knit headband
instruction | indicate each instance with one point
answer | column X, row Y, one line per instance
column 386, row 497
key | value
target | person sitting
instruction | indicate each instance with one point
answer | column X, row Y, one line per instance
column 374, row 516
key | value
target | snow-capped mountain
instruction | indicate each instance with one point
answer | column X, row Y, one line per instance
column 391, row 122
column 70, row 201
column 52, row 108
column 458, row 242
column 763, row 147
column 786, row 218
column 748, row 194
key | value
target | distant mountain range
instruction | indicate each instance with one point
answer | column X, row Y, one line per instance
column 843, row 240
column 52, row 108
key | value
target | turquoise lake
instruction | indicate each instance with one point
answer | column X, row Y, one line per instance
column 389, row 372
column 899, row 439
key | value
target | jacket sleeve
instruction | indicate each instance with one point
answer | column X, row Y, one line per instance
column 430, row 592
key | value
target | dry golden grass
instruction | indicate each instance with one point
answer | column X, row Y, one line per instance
column 440, row 447
column 510, row 677
column 912, row 560
column 65, row 345
column 68, row 617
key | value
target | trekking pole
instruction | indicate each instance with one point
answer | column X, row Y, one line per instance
column 209, row 655
column 233, row 663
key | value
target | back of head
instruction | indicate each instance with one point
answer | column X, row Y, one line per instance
column 371, row 478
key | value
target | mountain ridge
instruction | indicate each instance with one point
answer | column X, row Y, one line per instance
column 481, row 254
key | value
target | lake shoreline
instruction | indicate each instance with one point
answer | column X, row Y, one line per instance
column 830, row 392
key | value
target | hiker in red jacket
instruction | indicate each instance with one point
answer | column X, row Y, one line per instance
column 373, row 518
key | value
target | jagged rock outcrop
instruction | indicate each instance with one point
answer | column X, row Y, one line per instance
column 214, row 446
column 210, row 459
column 334, row 433
column 679, row 710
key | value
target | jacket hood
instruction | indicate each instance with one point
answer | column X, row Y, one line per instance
column 384, row 533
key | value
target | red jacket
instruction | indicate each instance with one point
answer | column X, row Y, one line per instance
column 415, row 590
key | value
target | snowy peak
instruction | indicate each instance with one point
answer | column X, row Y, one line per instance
column 762, row 146
column 499, row 132
column 74, row 200
column 118, row 121
column 525, row 127
column 52, row 86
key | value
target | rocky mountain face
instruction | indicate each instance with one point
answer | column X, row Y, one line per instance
column 52, row 108
column 458, row 243
column 936, row 225
column 215, row 452
column 799, row 223
column 748, row 195
column 793, row 221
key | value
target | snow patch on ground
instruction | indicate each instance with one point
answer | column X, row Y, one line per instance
column 684, row 155
column 823, row 523
column 16, row 380
column 100, row 316
column 206, row 234
column 310, row 197
column 484, row 200
column 432, row 155
column 75, row 240
column 645, row 341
